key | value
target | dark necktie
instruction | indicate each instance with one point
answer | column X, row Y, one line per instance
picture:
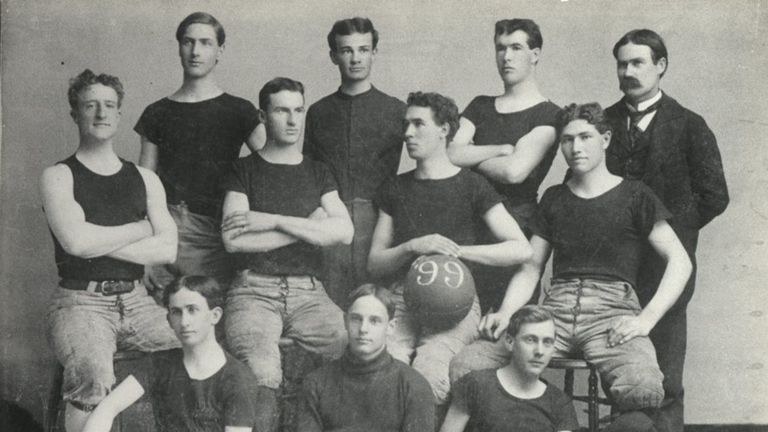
column 634, row 119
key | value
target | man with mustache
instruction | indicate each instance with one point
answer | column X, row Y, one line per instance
column 672, row 150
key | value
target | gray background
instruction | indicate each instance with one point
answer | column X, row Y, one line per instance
column 717, row 67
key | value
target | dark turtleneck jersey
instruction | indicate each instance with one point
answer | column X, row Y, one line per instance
column 380, row 395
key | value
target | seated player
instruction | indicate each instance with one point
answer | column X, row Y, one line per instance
column 367, row 389
column 280, row 210
column 598, row 225
column 199, row 387
column 514, row 398
column 437, row 209
column 108, row 219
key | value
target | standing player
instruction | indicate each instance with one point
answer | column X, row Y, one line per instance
column 673, row 151
column 437, row 209
column 597, row 225
column 280, row 210
column 513, row 397
column 197, row 387
column 108, row 220
column 367, row 389
column 190, row 138
column 510, row 138
column 357, row 132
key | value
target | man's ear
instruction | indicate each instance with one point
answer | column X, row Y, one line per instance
column 391, row 327
column 535, row 53
column 220, row 52
column 508, row 341
column 73, row 114
column 606, row 139
column 168, row 317
column 661, row 65
column 217, row 313
column 332, row 55
column 262, row 116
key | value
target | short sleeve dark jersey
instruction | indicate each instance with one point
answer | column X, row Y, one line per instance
column 182, row 403
column 289, row 190
column 196, row 143
column 602, row 236
column 493, row 127
column 492, row 409
column 452, row 207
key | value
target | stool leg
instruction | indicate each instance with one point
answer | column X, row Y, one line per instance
column 593, row 395
column 54, row 400
column 568, row 384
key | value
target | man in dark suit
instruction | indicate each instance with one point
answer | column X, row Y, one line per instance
column 673, row 151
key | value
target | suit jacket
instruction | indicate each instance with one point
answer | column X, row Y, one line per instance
column 683, row 165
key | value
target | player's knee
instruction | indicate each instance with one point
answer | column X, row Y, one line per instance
column 460, row 365
column 638, row 387
column 87, row 382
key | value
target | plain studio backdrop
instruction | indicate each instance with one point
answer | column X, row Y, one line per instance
column 717, row 67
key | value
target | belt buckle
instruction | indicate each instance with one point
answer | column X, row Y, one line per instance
column 113, row 287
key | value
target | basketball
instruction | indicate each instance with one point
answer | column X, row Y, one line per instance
column 439, row 290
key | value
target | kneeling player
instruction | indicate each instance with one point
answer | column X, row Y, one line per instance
column 513, row 397
column 197, row 387
column 436, row 209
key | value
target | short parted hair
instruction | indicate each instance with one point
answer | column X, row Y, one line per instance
column 509, row 26
column 276, row 85
column 444, row 109
column 382, row 294
column 201, row 18
column 644, row 37
column 203, row 285
column 86, row 79
column 346, row 27
column 529, row 314
column 591, row 112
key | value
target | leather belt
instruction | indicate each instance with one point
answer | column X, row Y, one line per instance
column 104, row 287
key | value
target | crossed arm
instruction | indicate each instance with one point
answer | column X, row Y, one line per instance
column 148, row 241
column 504, row 163
column 244, row 230
column 512, row 249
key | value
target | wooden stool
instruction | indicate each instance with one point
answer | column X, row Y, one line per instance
column 297, row 362
column 54, row 409
column 592, row 398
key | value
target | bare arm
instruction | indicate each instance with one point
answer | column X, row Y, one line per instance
column 162, row 246
column 67, row 219
column 529, row 151
column 240, row 234
column 513, row 248
column 148, row 155
column 336, row 228
column 463, row 153
column 519, row 290
column 455, row 420
column 123, row 396
column 257, row 138
column 665, row 242
column 386, row 259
